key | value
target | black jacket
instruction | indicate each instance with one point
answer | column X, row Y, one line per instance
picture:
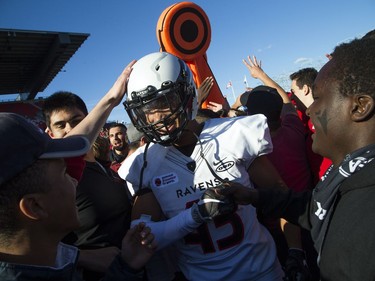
column 348, row 252
column 118, row 270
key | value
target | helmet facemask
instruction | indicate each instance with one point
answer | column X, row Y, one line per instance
column 162, row 114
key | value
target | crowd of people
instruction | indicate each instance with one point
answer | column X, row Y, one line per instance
column 277, row 186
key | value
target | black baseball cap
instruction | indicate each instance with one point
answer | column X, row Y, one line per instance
column 22, row 143
column 265, row 100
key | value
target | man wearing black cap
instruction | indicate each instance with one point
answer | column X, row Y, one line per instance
column 37, row 207
column 102, row 201
column 290, row 159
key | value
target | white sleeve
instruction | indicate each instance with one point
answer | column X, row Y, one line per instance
column 123, row 171
column 169, row 231
column 255, row 134
column 131, row 167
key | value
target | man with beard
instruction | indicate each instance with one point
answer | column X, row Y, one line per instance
column 119, row 142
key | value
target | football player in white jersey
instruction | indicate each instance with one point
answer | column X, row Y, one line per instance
column 184, row 159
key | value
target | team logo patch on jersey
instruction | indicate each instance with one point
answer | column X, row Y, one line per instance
column 164, row 180
column 223, row 166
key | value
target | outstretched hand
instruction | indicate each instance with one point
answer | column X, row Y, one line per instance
column 117, row 92
column 91, row 125
column 214, row 106
column 241, row 195
column 138, row 246
column 254, row 66
column 204, row 90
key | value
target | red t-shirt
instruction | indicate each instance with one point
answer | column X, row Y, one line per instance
column 318, row 163
column 289, row 154
column 75, row 167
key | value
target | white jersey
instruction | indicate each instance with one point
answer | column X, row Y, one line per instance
column 232, row 247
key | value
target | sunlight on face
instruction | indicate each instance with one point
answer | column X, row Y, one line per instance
column 163, row 120
column 63, row 121
column 155, row 115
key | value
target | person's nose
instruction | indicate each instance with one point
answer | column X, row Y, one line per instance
column 154, row 118
column 68, row 128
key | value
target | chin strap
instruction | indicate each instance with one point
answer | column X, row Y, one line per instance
column 143, row 166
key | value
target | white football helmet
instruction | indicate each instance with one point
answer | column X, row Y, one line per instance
column 161, row 96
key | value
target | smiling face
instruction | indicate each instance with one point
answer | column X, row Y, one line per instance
column 330, row 114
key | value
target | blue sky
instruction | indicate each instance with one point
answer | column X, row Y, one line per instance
column 286, row 35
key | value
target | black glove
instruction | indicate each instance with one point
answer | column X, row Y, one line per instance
column 296, row 268
column 211, row 205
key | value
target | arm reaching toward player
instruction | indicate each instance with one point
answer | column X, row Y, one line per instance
column 204, row 90
column 168, row 231
column 95, row 120
column 138, row 246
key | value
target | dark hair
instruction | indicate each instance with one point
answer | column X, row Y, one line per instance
column 62, row 100
column 101, row 148
column 304, row 76
column 204, row 114
column 263, row 100
column 354, row 67
column 115, row 125
column 30, row 180
column 369, row 35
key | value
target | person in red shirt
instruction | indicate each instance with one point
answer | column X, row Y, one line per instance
column 301, row 95
column 290, row 158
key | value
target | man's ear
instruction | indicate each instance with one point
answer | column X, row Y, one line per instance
column 31, row 205
column 363, row 107
column 143, row 140
column 49, row 132
column 306, row 89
